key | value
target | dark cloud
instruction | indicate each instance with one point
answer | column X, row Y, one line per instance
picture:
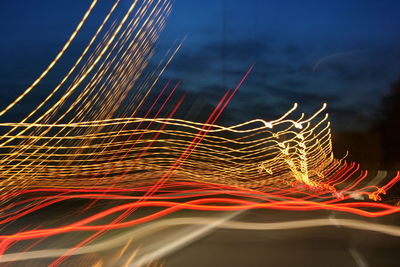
column 293, row 52
column 213, row 55
column 192, row 62
column 238, row 50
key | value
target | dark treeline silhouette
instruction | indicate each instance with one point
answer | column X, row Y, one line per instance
column 388, row 126
column 378, row 147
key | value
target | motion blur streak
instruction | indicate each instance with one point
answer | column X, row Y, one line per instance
column 59, row 55
column 90, row 165
column 237, row 225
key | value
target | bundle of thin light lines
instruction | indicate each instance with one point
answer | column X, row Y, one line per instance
column 101, row 79
column 87, row 139
column 90, row 136
column 256, row 155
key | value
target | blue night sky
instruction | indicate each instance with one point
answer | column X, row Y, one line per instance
column 345, row 53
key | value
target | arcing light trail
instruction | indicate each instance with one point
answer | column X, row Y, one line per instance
column 91, row 145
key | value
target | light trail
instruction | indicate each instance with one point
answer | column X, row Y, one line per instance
column 87, row 142
column 164, row 224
